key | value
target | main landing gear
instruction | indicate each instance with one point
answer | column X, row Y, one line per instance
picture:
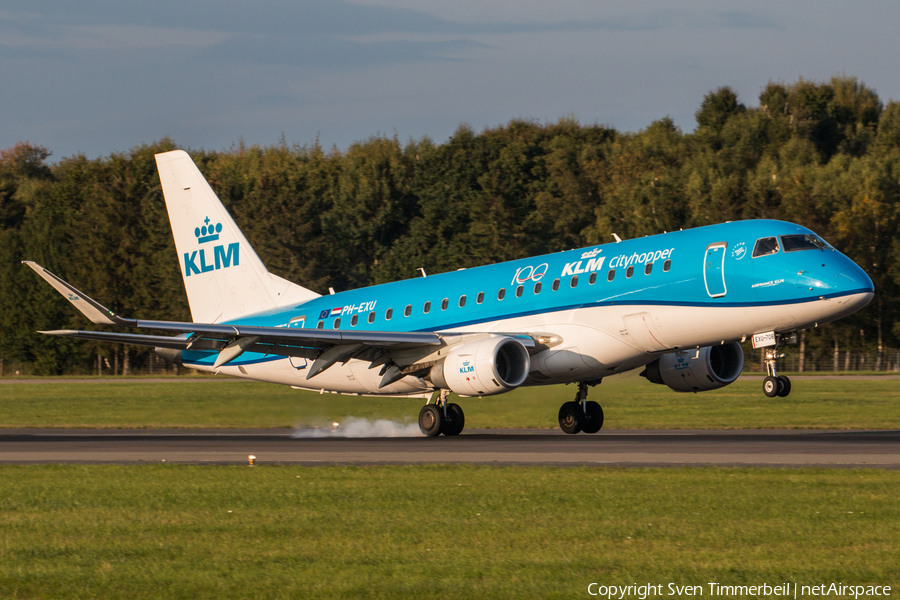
column 775, row 384
column 581, row 414
column 442, row 417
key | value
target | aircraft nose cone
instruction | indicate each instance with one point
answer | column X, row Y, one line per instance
column 855, row 279
column 858, row 287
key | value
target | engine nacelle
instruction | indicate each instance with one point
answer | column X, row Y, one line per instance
column 482, row 367
column 708, row 368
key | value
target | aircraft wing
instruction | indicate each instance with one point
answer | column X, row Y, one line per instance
column 101, row 315
column 326, row 347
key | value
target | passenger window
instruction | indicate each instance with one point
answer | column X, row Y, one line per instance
column 354, row 320
column 592, row 279
column 337, row 323
column 372, row 317
column 479, row 298
column 537, row 288
column 320, row 325
column 445, row 303
column 462, row 301
column 574, row 281
column 555, row 284
column 629, row 272
column 648, row 268
column 427, row 308
column 388, row 314
column 765, row 246
column 501, row 294
column 667, row 265
column 519, row 291
column 611, row 275
column 408, row 310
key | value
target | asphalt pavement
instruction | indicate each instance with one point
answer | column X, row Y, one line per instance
column 476, row 446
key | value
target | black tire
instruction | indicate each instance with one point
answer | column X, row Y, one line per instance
column 455, row 420
column 431, row 420
column 594, row 418
column 571, row 417
column 785, row 388
column 771, row 386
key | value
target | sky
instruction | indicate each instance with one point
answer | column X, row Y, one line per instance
column 95, row 77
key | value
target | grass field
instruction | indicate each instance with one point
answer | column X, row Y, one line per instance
column 195, row 532
column 628, row 401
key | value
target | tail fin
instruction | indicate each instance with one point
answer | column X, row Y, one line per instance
column 223, row 276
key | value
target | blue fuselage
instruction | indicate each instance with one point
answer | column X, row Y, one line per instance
column 684, row 271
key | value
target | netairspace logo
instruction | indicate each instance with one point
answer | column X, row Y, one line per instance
column 223, row 256
column 719, row 590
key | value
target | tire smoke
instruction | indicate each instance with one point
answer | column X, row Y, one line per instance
column 353, row 427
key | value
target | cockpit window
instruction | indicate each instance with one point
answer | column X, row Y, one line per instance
column 765, row 246
column 806, row 241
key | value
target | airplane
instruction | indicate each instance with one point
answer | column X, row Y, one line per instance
column 678, row 304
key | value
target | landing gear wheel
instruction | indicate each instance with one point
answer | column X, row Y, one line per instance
column 784, row 386
column 593, row 420
column 431, row 420
column 771, row 386
column 455, row 420
column 571, row 417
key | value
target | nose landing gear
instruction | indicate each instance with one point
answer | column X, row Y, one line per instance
column 581, row 414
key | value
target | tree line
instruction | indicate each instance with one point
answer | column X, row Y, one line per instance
column 822, row 154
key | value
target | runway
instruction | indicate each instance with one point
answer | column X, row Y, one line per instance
column 498, row 447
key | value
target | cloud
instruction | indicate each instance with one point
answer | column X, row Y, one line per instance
column 101, row 75
column 322, row 34
column 327, row 52
column 282, row 17
column 50, row 19
column 742, row 20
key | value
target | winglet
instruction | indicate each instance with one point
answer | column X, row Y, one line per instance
column 89, row 307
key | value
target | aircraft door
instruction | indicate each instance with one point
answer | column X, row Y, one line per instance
column 714, row 269
column 296, row 361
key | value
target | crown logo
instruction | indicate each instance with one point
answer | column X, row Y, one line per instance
column 207, row 233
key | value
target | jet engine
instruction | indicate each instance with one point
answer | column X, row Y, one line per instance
column 708, row 368
column 483, row 367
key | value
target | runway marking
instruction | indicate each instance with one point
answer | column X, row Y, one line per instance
column 634, row 458
column 635, row 448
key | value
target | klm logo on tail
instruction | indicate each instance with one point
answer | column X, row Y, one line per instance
column 223, row 256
